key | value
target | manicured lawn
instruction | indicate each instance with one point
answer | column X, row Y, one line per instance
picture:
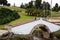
column 2, row 27
column 22, row 19
column 55, row 14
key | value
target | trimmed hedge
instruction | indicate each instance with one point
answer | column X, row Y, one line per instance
column 7, row 15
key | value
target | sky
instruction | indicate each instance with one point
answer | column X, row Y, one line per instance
column 19, row 2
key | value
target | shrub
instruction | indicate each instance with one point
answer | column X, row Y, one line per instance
column 7, row 15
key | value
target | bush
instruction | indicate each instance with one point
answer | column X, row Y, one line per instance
column 7, row 15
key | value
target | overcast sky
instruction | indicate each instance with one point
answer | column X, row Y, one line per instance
column 18, row 2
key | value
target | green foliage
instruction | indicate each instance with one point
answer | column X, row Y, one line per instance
column 46, row 6
column 4, row 2
column 31, row 4
column 7, row 15
column 38, row 29
column 37, row 12
column 59, row 8
column 22, row 6
column 31, row 12
column 38, row 3
column 55, row 8
column 57, row 33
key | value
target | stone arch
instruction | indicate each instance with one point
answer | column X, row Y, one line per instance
column 42, row 27
column 45, row 31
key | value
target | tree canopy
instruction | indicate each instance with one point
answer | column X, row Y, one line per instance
column 38, row 3
column 56, row 8
column 59, row 8
column 4, row 2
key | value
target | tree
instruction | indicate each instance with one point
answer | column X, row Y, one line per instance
column 4, row 2
column 59, row 8
column 38, row 9
column 31, row 4
column 46, row 6
column 0, row 2
column 26, row 6
column 38, row 3
column 55, row 8
column 8, row 4
column 22, row 6
column 36, row 12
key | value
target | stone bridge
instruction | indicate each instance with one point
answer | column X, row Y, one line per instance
column 29, row 27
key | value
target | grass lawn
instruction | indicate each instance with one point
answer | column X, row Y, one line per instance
column 2, row 27
column 37, row 29
column 55, row 14
column 22, row 19
column 57, row 33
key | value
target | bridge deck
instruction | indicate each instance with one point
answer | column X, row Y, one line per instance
column 27, row 28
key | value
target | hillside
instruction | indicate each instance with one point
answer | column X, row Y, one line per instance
column 24, row 18
column 21, row 20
